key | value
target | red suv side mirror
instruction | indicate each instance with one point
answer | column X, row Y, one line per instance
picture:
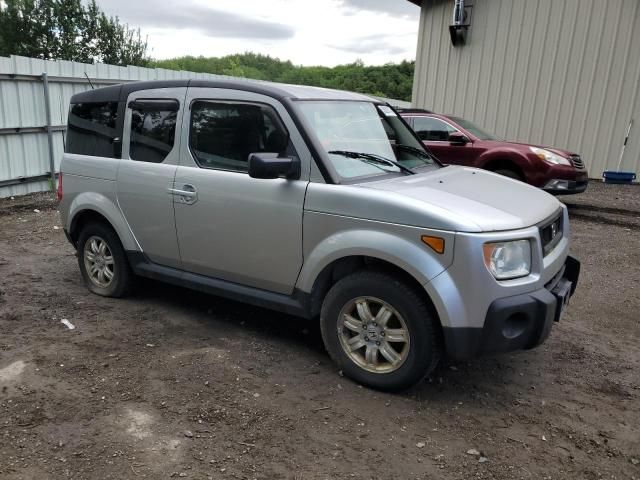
column 457, row 138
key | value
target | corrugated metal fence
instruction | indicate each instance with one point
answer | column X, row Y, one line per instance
column 32, row 129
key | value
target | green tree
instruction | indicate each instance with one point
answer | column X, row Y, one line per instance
column 68, row 30
column 391, row 80
column 117, row 44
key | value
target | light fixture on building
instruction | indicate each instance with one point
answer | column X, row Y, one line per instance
column 460, row 24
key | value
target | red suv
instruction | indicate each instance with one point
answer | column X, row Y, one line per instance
column 458, row 141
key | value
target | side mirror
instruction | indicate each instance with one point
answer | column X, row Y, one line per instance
column 457, row 138
column 270, row 165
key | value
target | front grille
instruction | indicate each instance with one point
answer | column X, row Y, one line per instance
column 551, row 233
column 577, row 161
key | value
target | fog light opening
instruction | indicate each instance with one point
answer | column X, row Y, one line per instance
column 558, row 184
column 515, row 325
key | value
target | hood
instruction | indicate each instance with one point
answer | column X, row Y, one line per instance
column 482, row 198
column 521, row 147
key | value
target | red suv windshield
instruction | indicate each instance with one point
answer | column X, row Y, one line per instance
column 474, row 129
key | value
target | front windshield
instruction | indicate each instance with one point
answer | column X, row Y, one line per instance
column 364, row 128
column 474, row 129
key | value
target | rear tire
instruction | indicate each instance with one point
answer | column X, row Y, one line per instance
column 380, row 331
column 103, row 262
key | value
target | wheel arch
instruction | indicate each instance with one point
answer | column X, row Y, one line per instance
column 94, row 207
column 344, row 266
column 507, row 160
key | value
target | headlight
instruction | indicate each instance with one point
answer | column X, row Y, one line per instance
column 506, row 260
column 550, row 157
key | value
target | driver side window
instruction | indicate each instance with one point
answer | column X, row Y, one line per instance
column 223, row 135
column 431, row 129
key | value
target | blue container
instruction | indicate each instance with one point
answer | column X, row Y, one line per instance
column 611, row 176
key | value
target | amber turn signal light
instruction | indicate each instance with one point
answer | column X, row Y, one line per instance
column 436, row 243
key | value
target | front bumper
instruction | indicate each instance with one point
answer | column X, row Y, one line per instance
column 518, row 322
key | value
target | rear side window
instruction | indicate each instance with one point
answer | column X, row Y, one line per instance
column 431, row 129
column 92, row 129
column 153, row 129
column 223, row 135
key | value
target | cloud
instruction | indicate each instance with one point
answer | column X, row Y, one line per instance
column 371, row 44
column 400, row 8
column 296, row 30
column 210, row 22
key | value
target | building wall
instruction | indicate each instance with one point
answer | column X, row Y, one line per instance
column 562, row 73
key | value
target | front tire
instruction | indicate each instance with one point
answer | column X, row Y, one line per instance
column 103, row 262
column 379, row 331
column 506, row 172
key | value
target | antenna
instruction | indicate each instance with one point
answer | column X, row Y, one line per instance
column 89, row 80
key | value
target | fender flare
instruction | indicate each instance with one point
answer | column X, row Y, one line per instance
column 101, row 204
column 412, row 257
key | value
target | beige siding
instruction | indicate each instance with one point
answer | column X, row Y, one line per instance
column 555, row 72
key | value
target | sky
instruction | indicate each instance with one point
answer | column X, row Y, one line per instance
column 307, row 32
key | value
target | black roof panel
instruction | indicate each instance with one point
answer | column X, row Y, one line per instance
column 276, row 90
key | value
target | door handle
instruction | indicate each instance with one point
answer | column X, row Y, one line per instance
column 183, row 193
column 187, row 194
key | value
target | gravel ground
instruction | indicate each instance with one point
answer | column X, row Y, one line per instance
column 172, row 383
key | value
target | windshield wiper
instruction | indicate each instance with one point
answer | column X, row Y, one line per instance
column 411, row 149
column 425, row 153
column 372, row 158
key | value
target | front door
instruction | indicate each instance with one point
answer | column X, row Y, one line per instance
column 150, row 156
column 231, row 226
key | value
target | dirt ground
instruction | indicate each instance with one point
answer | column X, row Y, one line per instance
column 172, row 383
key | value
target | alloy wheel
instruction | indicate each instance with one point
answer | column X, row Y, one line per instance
column 98, row 261
column 373, row 334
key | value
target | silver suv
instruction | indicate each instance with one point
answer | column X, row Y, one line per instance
column 318, row 203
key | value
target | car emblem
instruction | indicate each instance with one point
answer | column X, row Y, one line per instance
column 372, row 333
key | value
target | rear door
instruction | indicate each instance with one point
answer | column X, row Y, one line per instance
column 435, row 132
column 231, row 226
column 150, row 156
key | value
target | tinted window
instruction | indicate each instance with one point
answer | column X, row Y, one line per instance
column 92, row 129
column 153, row 129
column 222, row 135
column 431, row 129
